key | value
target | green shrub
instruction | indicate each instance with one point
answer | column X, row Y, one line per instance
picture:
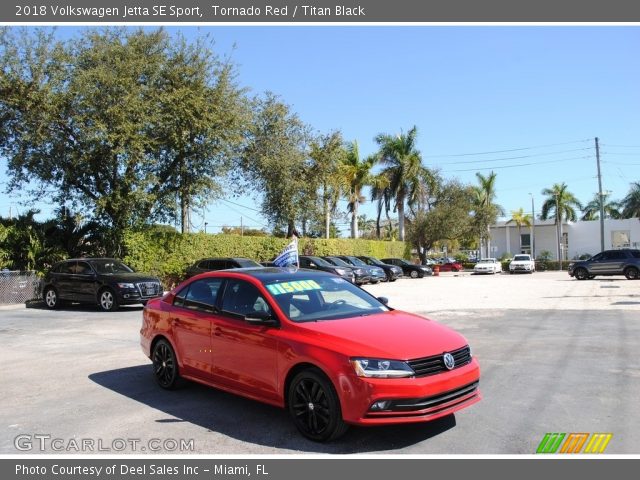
column 167, row 254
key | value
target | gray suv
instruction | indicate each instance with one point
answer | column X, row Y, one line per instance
column 610, row 262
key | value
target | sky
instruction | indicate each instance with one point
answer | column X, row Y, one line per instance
column 523, row 101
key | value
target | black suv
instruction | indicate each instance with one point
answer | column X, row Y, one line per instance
column 610, row 262
column 317, row 263
column 210, row 264
column 106, row 282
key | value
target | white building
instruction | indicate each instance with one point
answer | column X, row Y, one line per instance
column 578, row 237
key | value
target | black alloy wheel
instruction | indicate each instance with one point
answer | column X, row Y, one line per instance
column 631, row 273
column 581, row 273
column 314, row 407
column 165, row 365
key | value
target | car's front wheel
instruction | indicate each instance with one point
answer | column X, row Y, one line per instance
column 631, row 273
column 414, row 274
column 165, row 365
column 581, row 273
column 315, row 407
column 107, row 300
column 51, row 298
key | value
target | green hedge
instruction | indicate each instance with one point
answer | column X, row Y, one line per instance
column 168, row 254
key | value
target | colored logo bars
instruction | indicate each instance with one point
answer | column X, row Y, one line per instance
column 573, row 443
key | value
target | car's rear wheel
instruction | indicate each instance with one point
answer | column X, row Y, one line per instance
column 315, row 407
column 51, row 299
column 414, row 274
column 107, row 300
column 165, row 365
column 581, row 273
column 631, row 273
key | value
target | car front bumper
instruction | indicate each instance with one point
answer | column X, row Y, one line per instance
column 410, row 400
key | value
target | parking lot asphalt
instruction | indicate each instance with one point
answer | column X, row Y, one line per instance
column 557, row 355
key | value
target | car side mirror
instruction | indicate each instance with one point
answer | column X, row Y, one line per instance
column 383, row 300
column 260, row 317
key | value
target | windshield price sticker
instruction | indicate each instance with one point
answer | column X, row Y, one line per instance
column 291, row 287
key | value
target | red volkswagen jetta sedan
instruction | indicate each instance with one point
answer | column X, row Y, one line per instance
column 311, row 342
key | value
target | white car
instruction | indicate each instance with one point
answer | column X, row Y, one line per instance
column 488, row 265
column 522, row 263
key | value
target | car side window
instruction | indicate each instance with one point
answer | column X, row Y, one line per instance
column 598, row 257
column 199, row 295
column 635, row 254
column 83, row 268
column 217, row 264
column 67, row 268
column 205, row 265
column 242, row 298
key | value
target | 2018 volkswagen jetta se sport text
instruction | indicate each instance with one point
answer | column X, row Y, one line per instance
column 311, row 342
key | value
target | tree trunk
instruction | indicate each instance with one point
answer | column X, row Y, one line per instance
column 354, row 221
column 401, row 218
column 290, row 228
column 327, row 213
column 184, row 213
column 378, row 221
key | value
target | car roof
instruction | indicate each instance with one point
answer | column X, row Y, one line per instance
column 87, row 259
column 267, row 274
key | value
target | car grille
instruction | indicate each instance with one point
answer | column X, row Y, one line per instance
column 435, row 364
column 149, row 289
column 412, row 404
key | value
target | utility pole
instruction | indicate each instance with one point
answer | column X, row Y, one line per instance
column 600, row 196
column 205, row 227
column 558, row 230
column 241, row 228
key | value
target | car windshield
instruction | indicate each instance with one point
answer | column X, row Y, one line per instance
column 339, row 262
column 357, row 261
column 109, row 267
column 320, row 261
column 244, row 262
column 322, row 298
column 374, row 261
column 521, row 258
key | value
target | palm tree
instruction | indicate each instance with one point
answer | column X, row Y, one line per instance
column 403, row 168
column 563, row 204
column 631, row 203
column 486, row 210
column 356, row 174
column 567, row 203
column 520, row 218
column 591, row 210
column 380, row 193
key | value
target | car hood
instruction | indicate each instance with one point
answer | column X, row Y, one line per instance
column 520, row 262
column 129, row 277
column 393, row 335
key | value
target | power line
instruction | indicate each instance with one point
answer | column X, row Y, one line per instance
column 622, row 146
column 509, row 150
column 518, row 165
column 520, row 157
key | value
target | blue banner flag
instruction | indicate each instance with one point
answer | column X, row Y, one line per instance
column 288, row 256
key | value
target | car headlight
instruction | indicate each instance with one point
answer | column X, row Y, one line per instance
column 358, row 271
column 126, row 285
column 341, row 271
column 375, row 368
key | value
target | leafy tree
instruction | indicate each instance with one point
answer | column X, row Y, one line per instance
column 275, row 163
column 560, row 203
column 328, row 154
column 356, row 173
column 116, row 122
column 631, row 203
column 403, row 168
column 485, row 210
column 520, row 219
column 447, row 218
column 249, row 232
column 591, row 211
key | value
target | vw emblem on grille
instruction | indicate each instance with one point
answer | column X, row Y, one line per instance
column 449, row 361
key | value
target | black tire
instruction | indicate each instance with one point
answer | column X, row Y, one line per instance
column 314, row 407
column 414, row 274
column 591, row 277
column 107, row 300
column 51, row 299
column 165, row 365
column 631, row 273
column 581, row 273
